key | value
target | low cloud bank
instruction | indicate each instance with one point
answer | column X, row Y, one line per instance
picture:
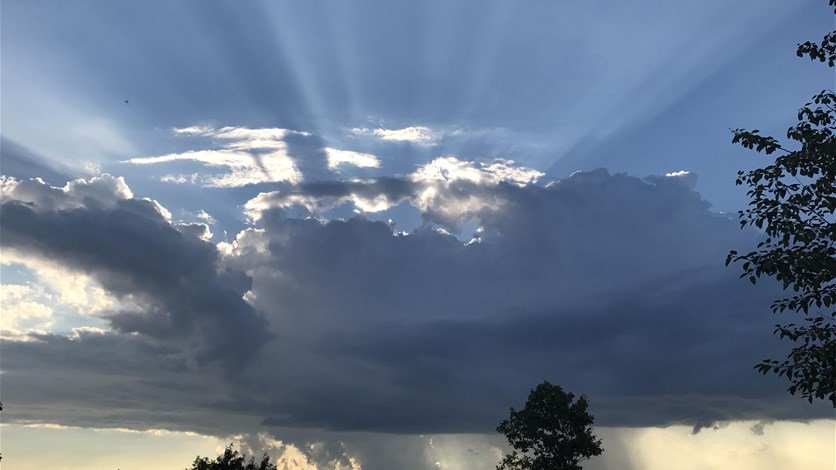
column 609, row 285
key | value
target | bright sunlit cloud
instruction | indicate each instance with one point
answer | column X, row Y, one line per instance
column 453, row 169
column 250, row 156
column 244, row 168
column 434, row 186
column 338, row 157
column 414, row 134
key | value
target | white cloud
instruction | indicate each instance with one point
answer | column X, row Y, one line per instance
column 102, row 190
column 24, row 308
column 239, row 133
column 435, row 187
column 415, row 134
column 71, row 288
column 452, row 169
column 181, row 179
column 250, row 156
column 337, row 157
column 244, row 167
column 193, row 130
column 206, row 217
column 244, row 133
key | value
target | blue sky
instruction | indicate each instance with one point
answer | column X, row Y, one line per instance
column 646, row 89
column 311, row 213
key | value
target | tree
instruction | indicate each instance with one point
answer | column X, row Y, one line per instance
column 793, row 201
column 552, row 432
column 232, row 460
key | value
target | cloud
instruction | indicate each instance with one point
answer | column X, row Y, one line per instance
column 582, row 282
column 759, row 427
column 241, row 135
column 447, row 190
column 253, row 156
column 102, row 191
column 338, row 157
column 195, row 229
column 168, row 281
column 193, row 178
column 24, row 308
column 244, row 168
column 610, row 285
column 206, row 217
column 453, row 169
column 413, row 134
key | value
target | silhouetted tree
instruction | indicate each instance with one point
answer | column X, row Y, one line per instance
column 825, row 51
column 552, row 432
column 232, row 460
column 793, row 201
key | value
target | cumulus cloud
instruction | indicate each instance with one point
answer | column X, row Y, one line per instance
column 74, row 289
column 582, row 282
column 102, row 191
column 170, row 278
column 614, row 266
column 447, row 190
column 25, row 308
column 196, row 229
column 610, row 285
column 453, row 169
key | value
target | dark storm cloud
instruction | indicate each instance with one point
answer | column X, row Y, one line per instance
column 105, row 380
column 609, row 285
column 170, row 280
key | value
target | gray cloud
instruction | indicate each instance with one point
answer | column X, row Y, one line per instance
column 609, row 285
column 174, row 289
column 759, row 427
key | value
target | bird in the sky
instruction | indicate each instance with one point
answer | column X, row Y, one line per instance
column 126, row 101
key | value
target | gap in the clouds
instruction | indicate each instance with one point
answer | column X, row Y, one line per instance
column 13, row 273
column 42, row 300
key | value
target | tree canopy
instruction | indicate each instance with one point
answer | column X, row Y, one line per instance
column 232, row 460
column 793, row 202
column 553, row 431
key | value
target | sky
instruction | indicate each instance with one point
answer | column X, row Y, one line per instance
column 353, row 234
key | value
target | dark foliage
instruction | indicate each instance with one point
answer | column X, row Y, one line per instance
column 793, row 202
column 552, row 432
column 824, row 51
column 232, row 460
